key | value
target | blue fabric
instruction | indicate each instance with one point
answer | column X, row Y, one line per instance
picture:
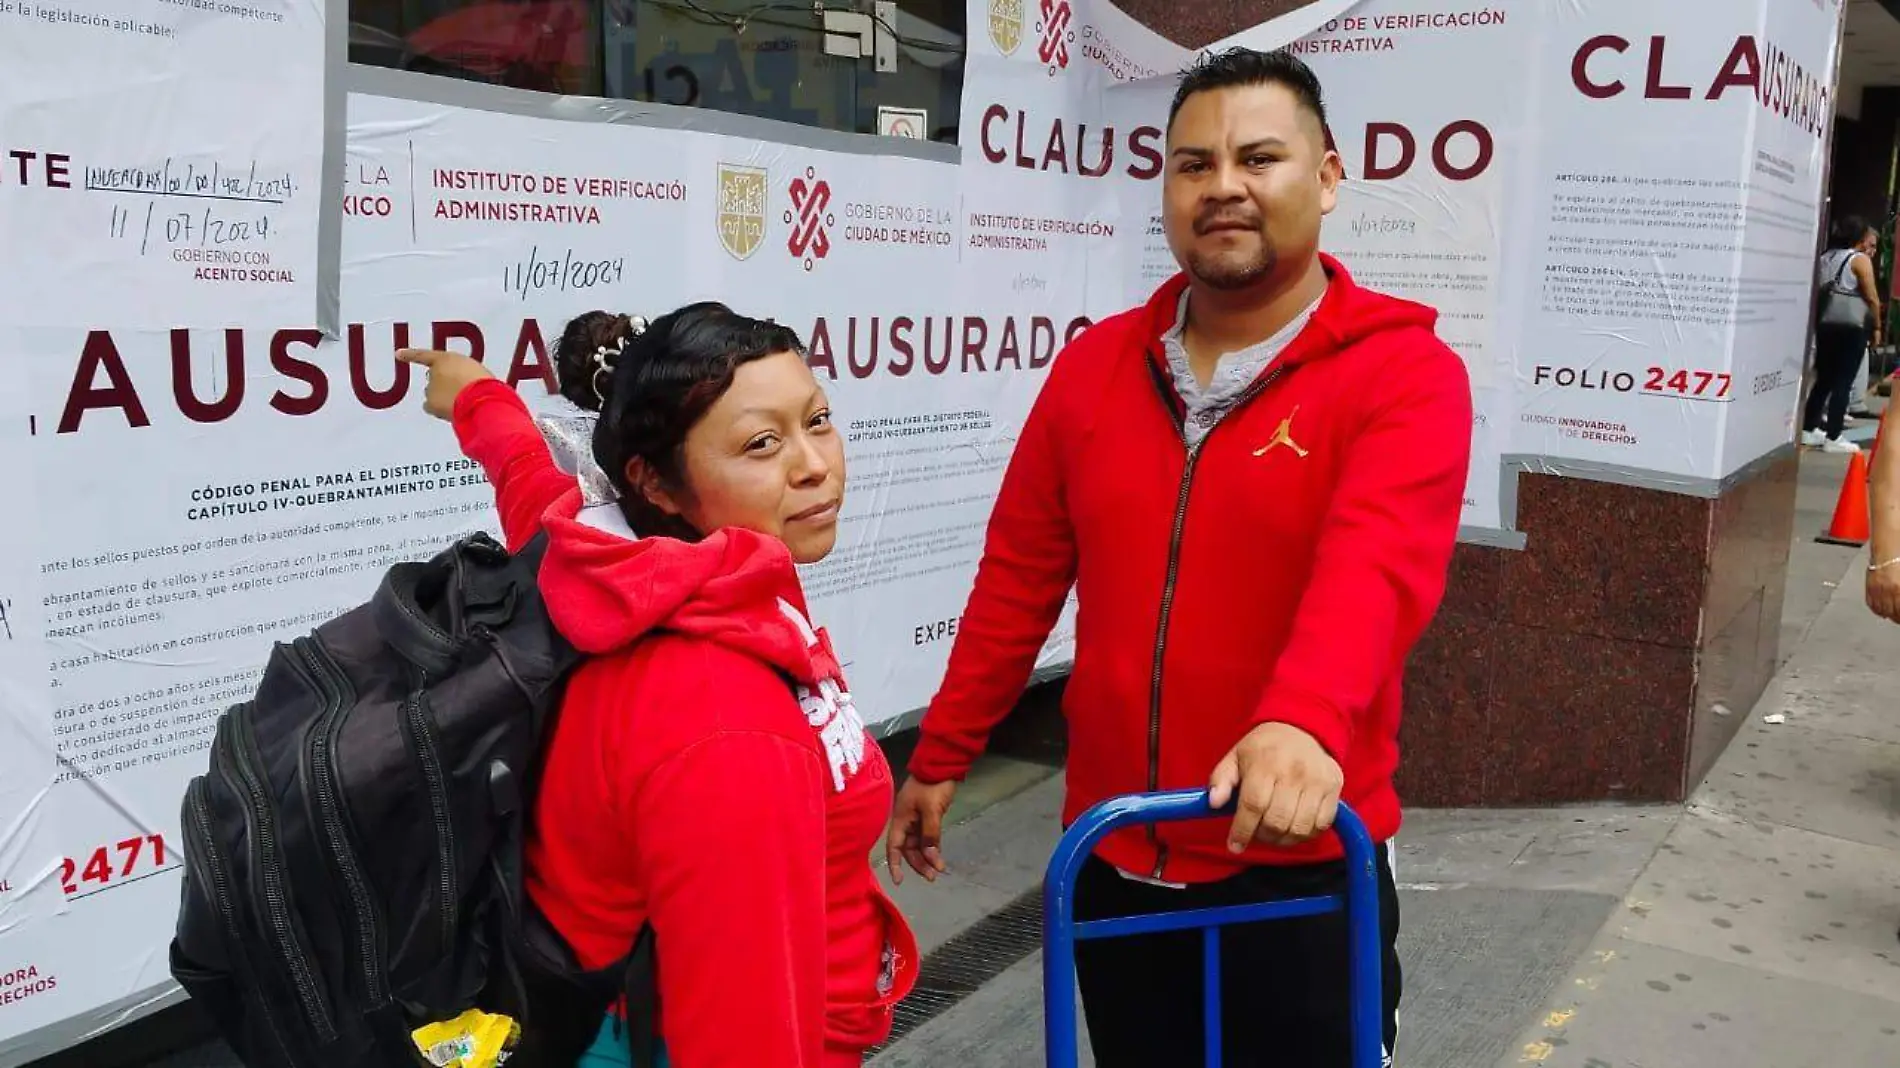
column 610, row 1050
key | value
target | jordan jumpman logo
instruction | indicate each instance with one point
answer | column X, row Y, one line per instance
column 1283, row 435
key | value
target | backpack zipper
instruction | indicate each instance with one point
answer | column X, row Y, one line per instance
column 1174, row 570
column 268, row 867
column 318, row 768
column 201, row 855
column 422, row 738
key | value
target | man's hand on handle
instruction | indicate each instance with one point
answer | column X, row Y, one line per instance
column 917, row 828
column 1287, row 785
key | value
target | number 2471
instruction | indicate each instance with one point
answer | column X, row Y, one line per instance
column 100, row 868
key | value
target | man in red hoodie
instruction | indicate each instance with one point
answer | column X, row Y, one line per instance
column 1254, row 483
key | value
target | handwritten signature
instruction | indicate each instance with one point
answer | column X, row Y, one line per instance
column 193, row 181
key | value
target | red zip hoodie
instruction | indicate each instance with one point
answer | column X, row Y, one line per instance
column 1242, row 583
column 707, row 772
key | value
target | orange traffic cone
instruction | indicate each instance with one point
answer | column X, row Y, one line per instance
column 1851, row 516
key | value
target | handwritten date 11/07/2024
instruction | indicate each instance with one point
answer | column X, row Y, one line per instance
column 207, row 227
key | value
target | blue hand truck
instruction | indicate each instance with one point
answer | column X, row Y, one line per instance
column 1061, row 931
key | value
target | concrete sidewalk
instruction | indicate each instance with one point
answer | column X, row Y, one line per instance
column 1763, row 932
column 1496, row 907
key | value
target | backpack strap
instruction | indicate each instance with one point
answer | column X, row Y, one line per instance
column 564, row 1005
column 404, row 627
column 425, row 638
column 473, row 582
column 640, row 986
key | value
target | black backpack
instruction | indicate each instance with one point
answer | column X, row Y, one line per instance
column 353, row 854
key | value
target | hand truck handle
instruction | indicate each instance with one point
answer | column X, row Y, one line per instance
column 1360, row 902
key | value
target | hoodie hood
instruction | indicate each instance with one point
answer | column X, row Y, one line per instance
column 606, row 590
column 1346, row 315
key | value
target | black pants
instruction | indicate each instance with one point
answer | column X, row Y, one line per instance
column 1837, row 354
column 1285, row 983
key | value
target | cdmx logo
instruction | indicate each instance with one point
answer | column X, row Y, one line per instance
column 1055, row 34
column 811, row 223
column 741, row 214
column 1006, row 25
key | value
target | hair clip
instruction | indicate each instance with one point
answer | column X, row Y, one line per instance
column 606, row 354
column 604, row 358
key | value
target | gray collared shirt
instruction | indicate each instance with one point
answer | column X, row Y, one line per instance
column 1233, row 372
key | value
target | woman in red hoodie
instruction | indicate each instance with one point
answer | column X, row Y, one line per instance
column 708, row 773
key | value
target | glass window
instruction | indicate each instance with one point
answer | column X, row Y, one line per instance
column 768, row 59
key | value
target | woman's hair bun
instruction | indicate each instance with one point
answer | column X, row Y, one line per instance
column 588, row 353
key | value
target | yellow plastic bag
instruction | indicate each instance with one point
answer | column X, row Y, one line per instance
column 475, row 1039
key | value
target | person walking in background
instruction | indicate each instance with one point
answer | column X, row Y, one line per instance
column 1256, row 541
column 1849, row 318
column 1860, row 397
